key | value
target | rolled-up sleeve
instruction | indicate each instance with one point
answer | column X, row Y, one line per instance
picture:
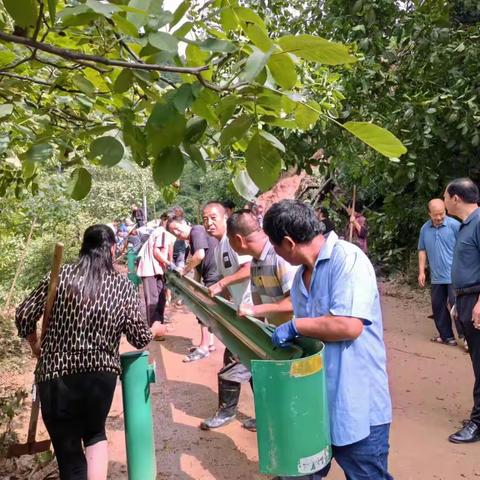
column 136, row 329
column 352, row 286
column 31, row 309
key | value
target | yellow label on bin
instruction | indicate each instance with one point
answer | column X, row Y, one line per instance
column 306, row 366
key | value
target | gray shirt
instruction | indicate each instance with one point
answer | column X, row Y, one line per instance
column 466, row 256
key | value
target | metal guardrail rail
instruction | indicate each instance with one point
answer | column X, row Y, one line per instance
column 248, row 338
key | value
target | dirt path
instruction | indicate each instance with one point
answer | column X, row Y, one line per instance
column 431, row 388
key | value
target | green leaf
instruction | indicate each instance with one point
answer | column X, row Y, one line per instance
column 124, row 81
column 263, row 162
column 52, row 10
column 86, row 86
column 195, row 156
column 244, row 185
column 236, row 129
column 305, row 116
column 273, row 140
column 105, row 9
column 109, row 149
column 228, row 19
column 124, row 25
column 180, row 12
column 196, row 127
column 80, row 183
column 182, row 31
column 258, row 37
column 139, row 19
column 377, row 137
column 316, row 49
column 163, row 41
column 283, row 70
column 249, row 16
column 39, row 152
column 24, row 12
column 183, row 97
column 6, row 109
column 168, row 166
column 6, row 57
column 134, row 138
column 165, row 127
column 216, row 45
column 255, row 64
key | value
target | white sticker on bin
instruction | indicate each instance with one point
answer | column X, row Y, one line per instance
column 314, row 463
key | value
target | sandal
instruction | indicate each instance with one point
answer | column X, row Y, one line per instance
column 438, row 339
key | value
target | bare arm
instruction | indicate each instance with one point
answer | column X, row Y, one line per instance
column 194, row 261
column 161, row 255
column 330, row 328
column 264, row 309
column 243, row 273
column 422, row 264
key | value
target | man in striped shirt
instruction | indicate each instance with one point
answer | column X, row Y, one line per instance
column 271, row 276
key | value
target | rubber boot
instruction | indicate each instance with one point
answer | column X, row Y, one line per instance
column 228, row 396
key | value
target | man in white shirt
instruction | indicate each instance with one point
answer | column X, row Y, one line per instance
column 234, row 284
column 155, row 256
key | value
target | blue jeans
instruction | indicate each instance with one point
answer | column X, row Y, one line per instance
column 363, row 460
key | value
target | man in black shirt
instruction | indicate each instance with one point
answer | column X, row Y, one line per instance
column 202, row 259
column 461, row 199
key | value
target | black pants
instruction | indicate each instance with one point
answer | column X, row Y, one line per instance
column 155, row 298
column 443, row 294
column 465, row 304
column 74, row 410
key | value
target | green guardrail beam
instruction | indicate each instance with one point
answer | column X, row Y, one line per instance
column 293, row 431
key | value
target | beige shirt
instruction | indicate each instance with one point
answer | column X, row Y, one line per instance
column 149, row 266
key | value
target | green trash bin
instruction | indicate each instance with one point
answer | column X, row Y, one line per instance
column 293, row 429
column 132, row 267
column 137, row 374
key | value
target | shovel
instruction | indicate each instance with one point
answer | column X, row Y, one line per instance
column 32, row 446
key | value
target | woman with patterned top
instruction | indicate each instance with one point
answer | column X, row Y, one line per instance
column 79, row 357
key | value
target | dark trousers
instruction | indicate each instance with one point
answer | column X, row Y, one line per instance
column 155, row 298
column 230, row 379
column 363, row 460
column 442, row 295
column 465, row 304
column 74, row 410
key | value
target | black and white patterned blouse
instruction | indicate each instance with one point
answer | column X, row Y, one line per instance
column 84, row 336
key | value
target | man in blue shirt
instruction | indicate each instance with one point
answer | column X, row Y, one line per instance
column 461, row 199
column 335, row 298
column 436, row 243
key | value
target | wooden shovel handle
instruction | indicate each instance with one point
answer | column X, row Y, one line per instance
column 52, row 291
column 52, row 287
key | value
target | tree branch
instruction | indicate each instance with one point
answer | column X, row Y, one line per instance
column 43, row 82
column 76, row 56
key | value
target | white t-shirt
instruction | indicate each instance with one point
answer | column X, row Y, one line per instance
column 228, row 263
column 149, row 265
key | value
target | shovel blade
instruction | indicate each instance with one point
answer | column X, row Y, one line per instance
column 19, row 449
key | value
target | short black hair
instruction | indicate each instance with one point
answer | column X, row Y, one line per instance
column 213, row 202
column 243, row 222
column 291, row 218
column 465, row 188
column 359, row 205
column 228, row 204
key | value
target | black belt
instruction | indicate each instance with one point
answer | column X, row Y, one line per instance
column 467, row 290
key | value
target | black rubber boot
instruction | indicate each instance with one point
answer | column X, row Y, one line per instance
column 228, row 396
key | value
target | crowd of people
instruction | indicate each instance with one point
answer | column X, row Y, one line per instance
column 286, row 266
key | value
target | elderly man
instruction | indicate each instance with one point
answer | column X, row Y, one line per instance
column 461, row 199
column 235, row 284
column 335, row 299
column 436, row 243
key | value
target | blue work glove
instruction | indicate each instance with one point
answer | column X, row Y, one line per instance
column 284, row 334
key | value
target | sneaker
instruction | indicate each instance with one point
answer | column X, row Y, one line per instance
column 465, row 344
column 197, row 354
